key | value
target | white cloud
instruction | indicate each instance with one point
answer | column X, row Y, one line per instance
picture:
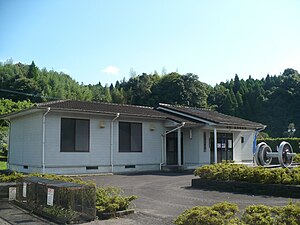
column 111, row 70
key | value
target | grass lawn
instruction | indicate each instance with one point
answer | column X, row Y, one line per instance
column 2, row 165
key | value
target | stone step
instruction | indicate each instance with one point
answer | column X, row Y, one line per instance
column 172, row 168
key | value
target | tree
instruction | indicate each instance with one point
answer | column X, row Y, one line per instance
column 32, row 71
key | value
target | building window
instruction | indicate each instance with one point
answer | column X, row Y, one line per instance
column 130, row 137
column 75, row 135
column 204, row 141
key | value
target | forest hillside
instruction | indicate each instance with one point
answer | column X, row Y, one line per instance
column 273, row 100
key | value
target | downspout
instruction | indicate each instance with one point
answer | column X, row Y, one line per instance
column 9, row 135
column 112, row 142
column 44, row 137
column 162, row 142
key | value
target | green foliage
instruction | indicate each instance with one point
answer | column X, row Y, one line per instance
column 3, row 166
column 77, row 180
column 274, row 142
column 62, row 213
column 259, row 215
column 296, row 159
column 219, row 214
column 10, row 178
column 236, row 172
column 111, row 199
column 226, row 213
column 273, row 101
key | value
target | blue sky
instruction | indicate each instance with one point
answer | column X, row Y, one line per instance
column 102, row 40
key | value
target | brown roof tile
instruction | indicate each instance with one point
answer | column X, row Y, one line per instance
column 212, row 116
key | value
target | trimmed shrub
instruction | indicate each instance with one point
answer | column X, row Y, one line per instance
column 238, row 172
column 218, row 214
column 296, row 159
column 259, row 215
column 225, row 213
column 11, row 177
column 111, row 199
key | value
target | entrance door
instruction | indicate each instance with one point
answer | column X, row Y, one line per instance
column 172, row 150
column 224, row 147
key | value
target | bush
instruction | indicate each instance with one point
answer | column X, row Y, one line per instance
column 225, row 213
column 236, row 172
column 219, row 214
column 77, row 180
column 111, row 199
column 11, row 177
column 296, row 159
column 259, row 215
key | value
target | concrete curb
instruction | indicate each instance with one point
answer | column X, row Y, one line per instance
column 278, row 190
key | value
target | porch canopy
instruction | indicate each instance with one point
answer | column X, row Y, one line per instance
column 196, row 117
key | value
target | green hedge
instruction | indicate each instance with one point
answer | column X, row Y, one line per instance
column 274, row 142
column 225, row 213
column 237, row 172
column 296, row 159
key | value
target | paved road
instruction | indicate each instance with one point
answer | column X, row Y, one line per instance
column 163, row 196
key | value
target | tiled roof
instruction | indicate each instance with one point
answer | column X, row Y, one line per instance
column 189, row 115
column 212, row 116
column 100, row 107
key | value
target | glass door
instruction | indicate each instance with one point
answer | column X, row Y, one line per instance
column 224, row 147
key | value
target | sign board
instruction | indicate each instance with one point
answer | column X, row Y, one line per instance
column 229, row 143
column 50, row 196
column 24, row 189
column 12, row 192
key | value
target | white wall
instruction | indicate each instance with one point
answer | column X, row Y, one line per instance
column 151, row 147
column 193, row 148
column 99, row 154
column 243, row 152
column 26, row 143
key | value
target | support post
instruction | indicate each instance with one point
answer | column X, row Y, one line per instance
column 165, row 150
column 215, row 146
column 179, row 146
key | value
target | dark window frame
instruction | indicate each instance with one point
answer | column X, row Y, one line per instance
column 88, row 136
column 130, row 149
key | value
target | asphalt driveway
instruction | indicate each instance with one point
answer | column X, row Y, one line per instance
column 163, row 196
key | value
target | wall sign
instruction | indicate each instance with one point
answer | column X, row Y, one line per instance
column 50, row 196
column 24, row 189
column 12, row 192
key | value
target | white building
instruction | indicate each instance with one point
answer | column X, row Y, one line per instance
column 73, row 137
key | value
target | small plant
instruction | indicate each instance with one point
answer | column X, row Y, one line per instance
column 111, row 199
column 62, row 213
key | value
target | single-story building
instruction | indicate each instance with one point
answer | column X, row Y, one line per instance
column 75, row 137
